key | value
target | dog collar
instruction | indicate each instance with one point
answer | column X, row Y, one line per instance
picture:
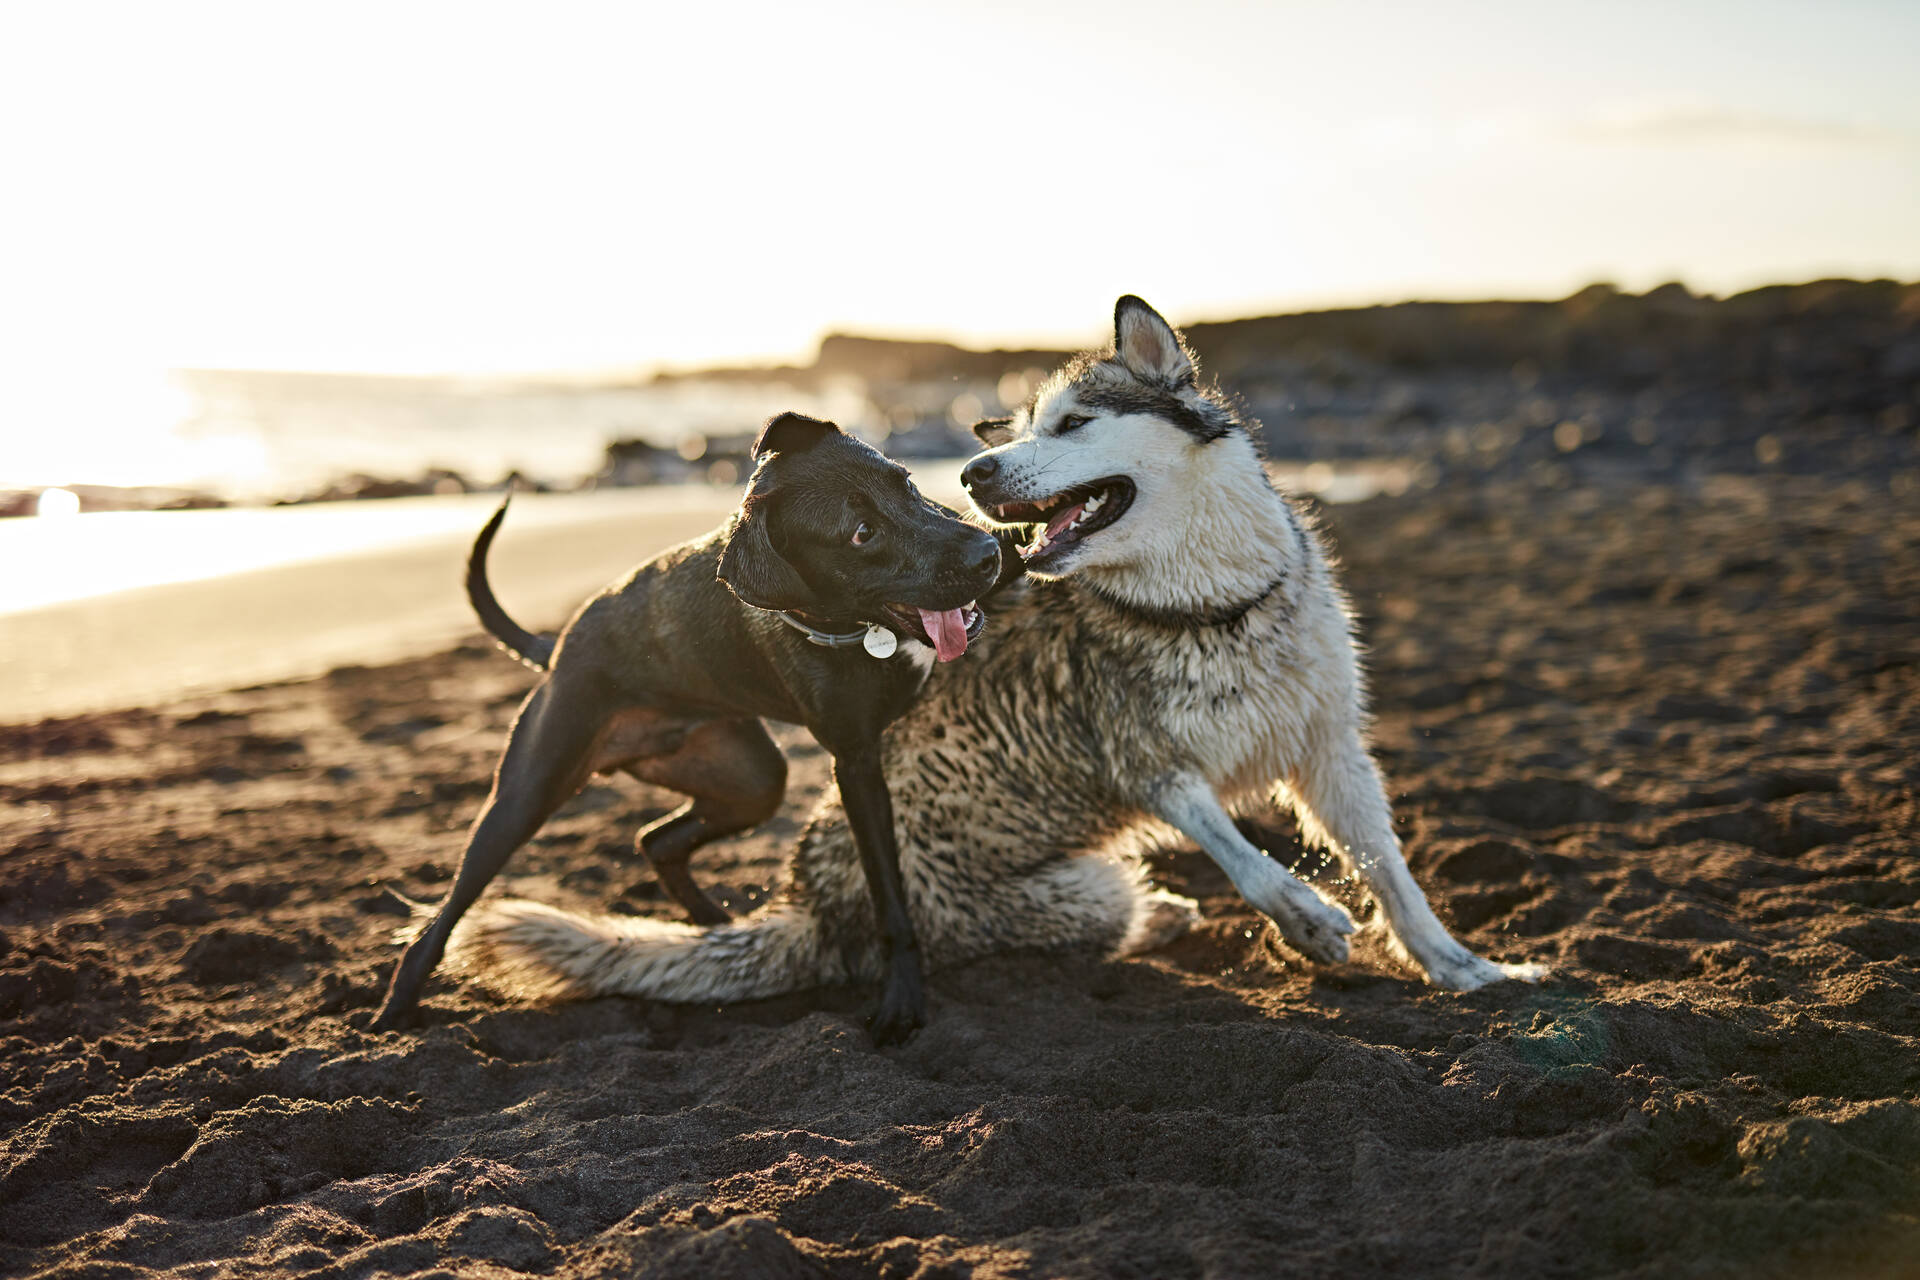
column 878, row 640
column 1222, row 617
column 874, row 638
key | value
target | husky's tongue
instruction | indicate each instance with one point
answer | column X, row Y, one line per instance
column 949, row 631
column 1062, row 518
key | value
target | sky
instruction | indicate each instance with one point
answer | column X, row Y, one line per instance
column 486, row 189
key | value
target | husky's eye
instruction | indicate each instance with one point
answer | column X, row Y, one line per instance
column 863, row 535
column 1072, row 422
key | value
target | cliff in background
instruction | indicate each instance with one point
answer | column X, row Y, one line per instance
column 1827, row 327
column 1813, row 374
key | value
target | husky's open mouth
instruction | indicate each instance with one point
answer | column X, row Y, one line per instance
column 949, row 631
column 1068, row 516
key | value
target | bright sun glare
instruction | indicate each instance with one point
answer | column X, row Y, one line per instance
column 57, row 502
column 485, row 190
column 113, row 424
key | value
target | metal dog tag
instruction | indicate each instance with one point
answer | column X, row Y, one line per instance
column 880, row 642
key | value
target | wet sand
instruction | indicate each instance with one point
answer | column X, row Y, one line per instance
column 355, row 588
column 1663, row 738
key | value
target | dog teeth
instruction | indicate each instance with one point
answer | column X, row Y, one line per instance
column 1093, row 504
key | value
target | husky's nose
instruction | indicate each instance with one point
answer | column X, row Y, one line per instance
column 980, row 470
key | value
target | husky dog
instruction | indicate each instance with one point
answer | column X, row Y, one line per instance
column 1178, row 650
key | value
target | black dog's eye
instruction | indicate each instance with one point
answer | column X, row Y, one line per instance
column 1072, row 422
column 863, row 535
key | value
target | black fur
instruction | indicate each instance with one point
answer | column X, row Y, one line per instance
column 993, row 431
column 790, row 433
column 1205, row 423
column 535, row 651
column 666, row 674
column 757, row 573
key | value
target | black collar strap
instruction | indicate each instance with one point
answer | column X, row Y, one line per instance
column 1223, row 617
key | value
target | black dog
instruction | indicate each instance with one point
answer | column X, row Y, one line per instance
column 845, row 585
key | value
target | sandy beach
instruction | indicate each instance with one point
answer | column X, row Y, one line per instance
column 1588, row 336
column 1662, row 737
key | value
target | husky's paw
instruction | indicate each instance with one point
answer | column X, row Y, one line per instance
column 1162, row 917
column 1466, row 971
column 1317, row 929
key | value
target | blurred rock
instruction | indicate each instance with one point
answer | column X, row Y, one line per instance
column 1826, row 373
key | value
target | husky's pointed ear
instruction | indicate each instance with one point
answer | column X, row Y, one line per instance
column 1148, row 345
column 790, row 433
column 750, row 566
column 993, row 432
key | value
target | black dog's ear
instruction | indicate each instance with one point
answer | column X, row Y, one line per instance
column 994, row 431
column 750, row 566
column 790, row 433
column 1149, row 346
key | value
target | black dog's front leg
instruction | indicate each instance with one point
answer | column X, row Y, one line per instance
column 869, row 806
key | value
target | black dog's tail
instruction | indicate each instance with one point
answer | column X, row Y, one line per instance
column 535, row 651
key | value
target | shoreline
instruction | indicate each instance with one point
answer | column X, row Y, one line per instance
column 119, row 609
column 1785, row 378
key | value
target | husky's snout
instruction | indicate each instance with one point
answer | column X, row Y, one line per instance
column 983, row 479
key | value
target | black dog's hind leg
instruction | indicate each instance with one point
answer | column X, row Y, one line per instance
column 549, row 756
column 736, row 776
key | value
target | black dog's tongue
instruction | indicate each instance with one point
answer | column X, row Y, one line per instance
column 948, row 628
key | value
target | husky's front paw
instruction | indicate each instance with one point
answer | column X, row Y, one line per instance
column 1317, row 929
column 1464, row 971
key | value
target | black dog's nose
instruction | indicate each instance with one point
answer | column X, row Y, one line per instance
column 988, row 560
column 980, row 470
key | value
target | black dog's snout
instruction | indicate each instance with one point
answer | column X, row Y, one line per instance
column 987, row 559
column 980, row 470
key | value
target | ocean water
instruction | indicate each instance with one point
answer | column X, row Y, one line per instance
column 251, row 436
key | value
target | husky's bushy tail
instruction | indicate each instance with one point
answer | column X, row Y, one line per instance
column 532, row 951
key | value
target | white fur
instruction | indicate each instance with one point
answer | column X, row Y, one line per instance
column 918, row 652
column 537, row 952
column 1210, row 501
column 1282, row 716
column 1314, row 927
